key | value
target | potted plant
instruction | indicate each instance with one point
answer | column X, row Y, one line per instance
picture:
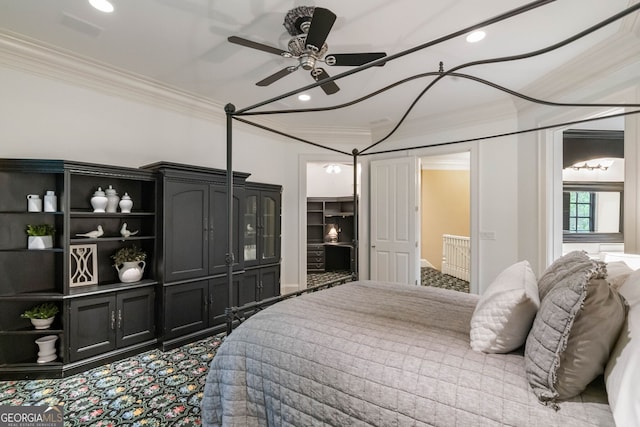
column 129, row 261
column 40, row 236
column 41, row 315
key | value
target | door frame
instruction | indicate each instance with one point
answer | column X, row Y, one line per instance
column 303, row 160
column 550, row 183
column 474, row 177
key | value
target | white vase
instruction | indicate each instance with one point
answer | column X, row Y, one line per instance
column 50, row 201
column 42, row 323
column 126, row 203
column 99, row 201
column 130, row 271
column 40, row 242
column 112, row 199
column 47, row 347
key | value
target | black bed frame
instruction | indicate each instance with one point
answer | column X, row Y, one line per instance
column 236, row 314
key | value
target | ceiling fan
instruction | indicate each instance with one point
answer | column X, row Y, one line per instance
column 309, row 27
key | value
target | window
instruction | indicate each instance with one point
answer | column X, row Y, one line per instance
column 581, row 211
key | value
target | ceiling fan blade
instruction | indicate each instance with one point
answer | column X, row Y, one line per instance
column 353, row 59
column 276, row 76
column 256, row 45
column 319, row 74
column 321, row 23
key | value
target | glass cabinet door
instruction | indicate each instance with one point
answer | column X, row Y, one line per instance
column 250, row 228
column 269, row 230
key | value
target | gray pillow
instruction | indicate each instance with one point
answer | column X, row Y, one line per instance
column 565, row 266
column 572, row 335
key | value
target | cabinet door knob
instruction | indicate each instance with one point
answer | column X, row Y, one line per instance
column 119, row 319
column 113, row 320
column 205, row 226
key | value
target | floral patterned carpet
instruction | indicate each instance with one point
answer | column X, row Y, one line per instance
column 151, row 389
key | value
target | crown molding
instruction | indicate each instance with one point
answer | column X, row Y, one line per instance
column 605, row 59
column 23, row 54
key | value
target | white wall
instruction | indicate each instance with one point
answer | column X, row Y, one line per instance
column 50, row 119
column 323, row 184
column 43, row 117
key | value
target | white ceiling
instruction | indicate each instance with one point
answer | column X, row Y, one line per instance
column 183, row 44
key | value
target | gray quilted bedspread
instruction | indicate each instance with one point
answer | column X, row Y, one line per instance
column 376, row 354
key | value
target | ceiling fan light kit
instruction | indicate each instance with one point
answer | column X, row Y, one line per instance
column 309, row 28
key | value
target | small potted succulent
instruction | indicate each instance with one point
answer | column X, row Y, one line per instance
column 41, row 315
column 129, row 261
column 40, row 236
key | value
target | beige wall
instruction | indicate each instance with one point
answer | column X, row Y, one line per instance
column 445, row 204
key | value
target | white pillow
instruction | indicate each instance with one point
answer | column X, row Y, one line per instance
column 622, row 374
column 617, row 273
column 632, row 260
column 504, row 314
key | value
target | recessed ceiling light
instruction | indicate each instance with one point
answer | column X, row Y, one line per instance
column 102, row 5
column 476, row 36
column 304, row 97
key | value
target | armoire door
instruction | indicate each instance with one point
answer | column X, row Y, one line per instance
column 186, row 234
column 185, row 308
column 269, row 226
column 136, row 320
column 218, row 224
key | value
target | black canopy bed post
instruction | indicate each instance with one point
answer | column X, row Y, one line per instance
column 355, row 274
column 229, row 109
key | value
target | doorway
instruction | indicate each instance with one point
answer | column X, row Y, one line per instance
column 445, row 221
column 330, row 208
column 555, row 244
column 593, row 171
column 412, row 212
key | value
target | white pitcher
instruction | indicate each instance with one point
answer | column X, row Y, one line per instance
column 130, row 271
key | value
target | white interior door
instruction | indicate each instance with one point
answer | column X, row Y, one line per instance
column 395, row 239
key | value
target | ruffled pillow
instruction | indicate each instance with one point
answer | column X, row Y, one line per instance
column 574, row 331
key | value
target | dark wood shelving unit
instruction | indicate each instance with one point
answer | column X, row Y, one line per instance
column 23, row 287
column 323, row 253
column 179, row 213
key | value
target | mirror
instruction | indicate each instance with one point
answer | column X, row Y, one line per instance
column 593, row 212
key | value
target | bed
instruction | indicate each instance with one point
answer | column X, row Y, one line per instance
column 385, row 354
column 374, row 353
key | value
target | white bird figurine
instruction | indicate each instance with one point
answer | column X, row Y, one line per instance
column 126, row 233
column 93, row 234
